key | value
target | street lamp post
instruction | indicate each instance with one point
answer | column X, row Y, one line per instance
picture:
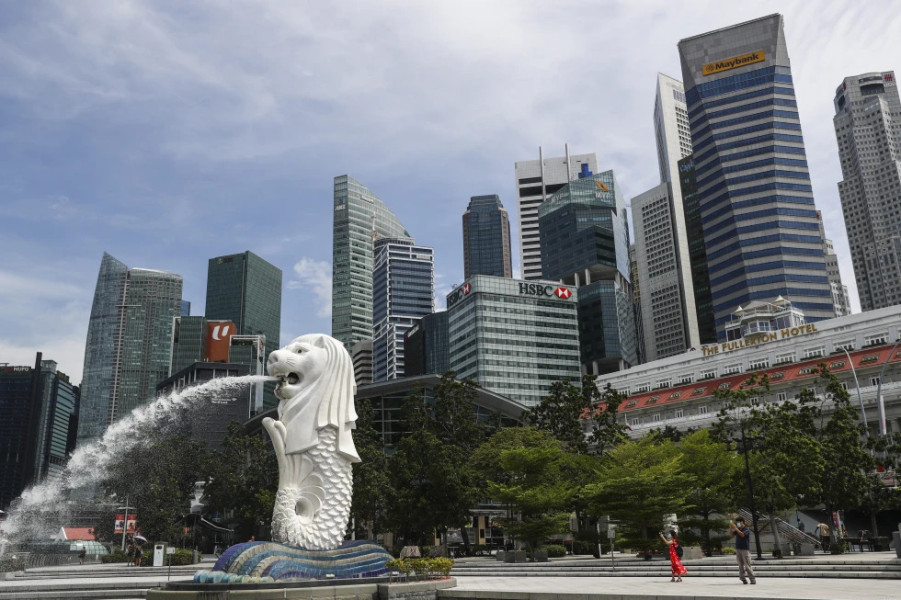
column 863, row 412
column 882, row 426
column 751, row 503
column 126, row 508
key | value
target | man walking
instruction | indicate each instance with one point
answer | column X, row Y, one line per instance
column 742, row 550
column 823, row 530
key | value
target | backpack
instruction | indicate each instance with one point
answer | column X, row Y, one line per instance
column 679, row 551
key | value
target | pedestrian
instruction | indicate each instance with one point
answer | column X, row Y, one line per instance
column 801, row 526
column 82, row 555
column 130, row 555
column 823, row 531
column 742, row 550
column 216, row 550
column 677, row 569
column 138, row 552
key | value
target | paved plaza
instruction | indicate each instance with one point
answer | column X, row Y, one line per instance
column 113, row 582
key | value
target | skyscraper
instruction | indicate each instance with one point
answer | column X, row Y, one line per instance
column 513, row 337
column 668, row 317
column 697, row 253
column 667, row 302
column 129, row 342
column 247, row 290
column 839, row 291
column 359, row 215
column 760, row 223
column 868, row 128
column 403, row 291
column 40, row 411
column 486, row 238
column 536, row 180
column 585, row 244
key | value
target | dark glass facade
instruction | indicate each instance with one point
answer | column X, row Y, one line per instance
column 697, row 253
column 761, row 230
column 403, row 287
column 585, row 243
column 247, row 290
column 486, row 238
column 209, row 421
column 426, row 346
column 37, row 433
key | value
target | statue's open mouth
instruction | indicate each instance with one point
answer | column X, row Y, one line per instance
column 292, row 378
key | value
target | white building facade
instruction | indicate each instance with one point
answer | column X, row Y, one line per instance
column 536, row 180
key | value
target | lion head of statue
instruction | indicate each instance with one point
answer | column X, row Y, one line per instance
column 315, row 389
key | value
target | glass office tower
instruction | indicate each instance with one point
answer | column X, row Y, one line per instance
column 514, row 337
column 359, row 216
column 247, row 290
column 585, row 244
column 129, row 343
column 486, row 238
column 403, row 291
column 760, row 223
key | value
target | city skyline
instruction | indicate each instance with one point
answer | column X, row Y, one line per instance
column 148, row 135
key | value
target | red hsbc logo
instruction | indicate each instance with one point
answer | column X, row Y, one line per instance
column 562, row 292
column 467, row 287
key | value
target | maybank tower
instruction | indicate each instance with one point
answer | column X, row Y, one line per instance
column 761, row 230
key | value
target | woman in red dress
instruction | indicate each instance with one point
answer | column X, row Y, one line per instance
column 678, row 569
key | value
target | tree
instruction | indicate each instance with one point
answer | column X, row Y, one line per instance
column 640, row 483
column 848, row 463
column 433, row 488
column 715, row 471
column 561, row 413
column 242, row 481
column 431, row 492
column 523, row 468
column 371, row 484
column 607, row 430
column 158, row 479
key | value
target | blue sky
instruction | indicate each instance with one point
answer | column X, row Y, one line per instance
column 170, row 132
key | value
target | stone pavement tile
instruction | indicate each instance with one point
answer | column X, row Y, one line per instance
column 707, row 588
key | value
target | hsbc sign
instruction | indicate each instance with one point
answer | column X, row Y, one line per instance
column 458, row 294
column 537, row 289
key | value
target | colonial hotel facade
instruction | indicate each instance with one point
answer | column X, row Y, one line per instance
column 770, row 338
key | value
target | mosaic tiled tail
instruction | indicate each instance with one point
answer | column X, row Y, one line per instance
column 269, row 561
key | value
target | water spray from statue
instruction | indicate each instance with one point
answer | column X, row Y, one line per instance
column 41, row 508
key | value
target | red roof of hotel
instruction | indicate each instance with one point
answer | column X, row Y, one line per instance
column 777, row 375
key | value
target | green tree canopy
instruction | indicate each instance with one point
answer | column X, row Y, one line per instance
column 523, row 468
column 242, row 481
column 640, row 483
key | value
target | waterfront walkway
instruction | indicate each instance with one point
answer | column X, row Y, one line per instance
column 822, row 577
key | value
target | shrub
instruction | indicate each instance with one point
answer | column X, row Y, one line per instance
column 838, row 548
column 116, row 557
column 728, row 550
column 554, row 550
column 584, row 547
column 422, row 567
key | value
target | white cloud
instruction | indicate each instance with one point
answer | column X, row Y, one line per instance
column 315, row 276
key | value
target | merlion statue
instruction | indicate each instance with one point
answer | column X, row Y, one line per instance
column 313, row 441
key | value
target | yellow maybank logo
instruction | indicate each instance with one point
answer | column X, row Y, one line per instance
column 734, row 62
column 602, row 186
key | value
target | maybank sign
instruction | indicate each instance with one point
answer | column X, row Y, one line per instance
column 734, row 62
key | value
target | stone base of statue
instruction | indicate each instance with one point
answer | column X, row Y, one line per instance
column 265, row 562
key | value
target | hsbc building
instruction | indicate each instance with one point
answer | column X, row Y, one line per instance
column 514, row 337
